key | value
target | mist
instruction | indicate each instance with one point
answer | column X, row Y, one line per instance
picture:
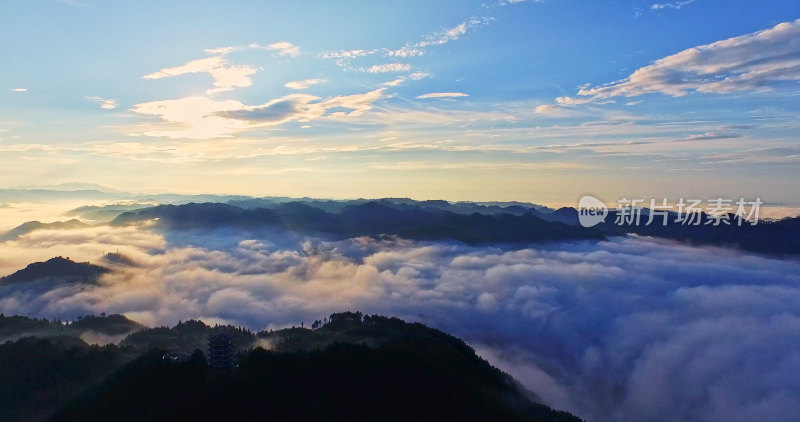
column 625, row 329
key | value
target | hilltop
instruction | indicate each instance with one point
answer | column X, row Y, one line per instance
column 346, row 367
column 57, row 269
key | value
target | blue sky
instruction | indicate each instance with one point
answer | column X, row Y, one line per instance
column 541, row 101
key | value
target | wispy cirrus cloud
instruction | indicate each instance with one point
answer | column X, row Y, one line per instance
column 344, row 58
column 749, row 62
column 713, row 135
column 421, row 165
column 306, row 83
column 405, row 52
column 507, row 2
column 386, row 68
column 753, row 62
column 105, row 103
column 451, row 34
column 281, row 48
column 677, row 5
column 443, row 95
column 400, row 79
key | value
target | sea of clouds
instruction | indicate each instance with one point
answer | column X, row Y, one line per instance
column 625, row 329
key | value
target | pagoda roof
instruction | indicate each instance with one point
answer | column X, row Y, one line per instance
column 220, row 337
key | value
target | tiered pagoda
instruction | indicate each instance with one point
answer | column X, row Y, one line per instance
column 221, row 351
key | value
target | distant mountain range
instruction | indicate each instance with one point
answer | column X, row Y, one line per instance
column 469, row 222
column 373, row 218
column 436, row 220
column 30, row 226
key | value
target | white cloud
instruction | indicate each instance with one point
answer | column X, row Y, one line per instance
column 550, row 109
column 395, row 82
column 674, row 5
column 751, row 62
column 447, row 35
column 106, row 104
column 304, row 107
column 506, row 165
column 192, row 117
column 713, row 135
column 400, row 79
column 627, row 329
column 344, row 58
column 569, row 101
column 453, row 33
column 443, row 95
column 283, row 48
column 388, row 67
column 226, row 76
column 405, row 52
column 204, row 118
column 346, row 54
column 220, row 50
column 306, row 83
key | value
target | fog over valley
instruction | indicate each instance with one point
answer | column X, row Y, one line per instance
column 610, row 329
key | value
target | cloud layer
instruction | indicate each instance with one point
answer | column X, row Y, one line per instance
column 628, row 329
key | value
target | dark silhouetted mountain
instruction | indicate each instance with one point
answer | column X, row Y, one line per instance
column 349, row 367
column 185, row 337
column 30, row 226
column 57, row 269
column 39, row 376
column 566, row 215
column 201, row 216
column 364, row 219
column 773, row 237
column 111, row 325
column 105, row 212
column 299, row 216
column 118, row 259
column 411, row 372
column 14, row 327
column 778, row 237
column 336, row 206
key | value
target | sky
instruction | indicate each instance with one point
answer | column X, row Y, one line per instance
column 540, row 101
